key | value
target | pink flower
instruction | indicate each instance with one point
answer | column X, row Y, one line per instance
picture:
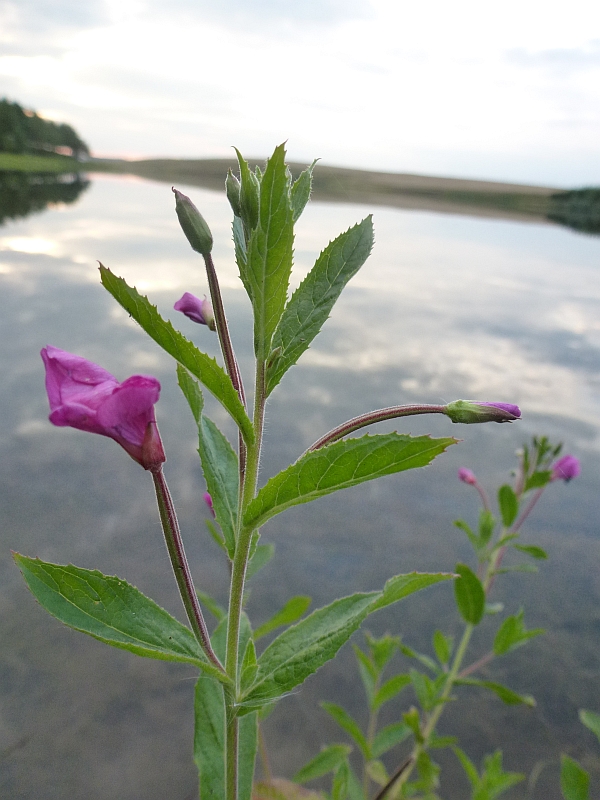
column 200, row 311
column 466, row 476
column 82, row 395
column 566, row 468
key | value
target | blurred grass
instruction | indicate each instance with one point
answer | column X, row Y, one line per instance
column 17, row 162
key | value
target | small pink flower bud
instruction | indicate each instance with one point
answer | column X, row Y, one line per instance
column 199, row 311
column 566, row 468
column 469, row 411
column 208, row 500
column 466, row 476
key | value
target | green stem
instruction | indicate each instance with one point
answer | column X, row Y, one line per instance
column 180, row 565
column 238, row 577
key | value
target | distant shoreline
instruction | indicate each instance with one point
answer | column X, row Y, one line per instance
column 478, row 198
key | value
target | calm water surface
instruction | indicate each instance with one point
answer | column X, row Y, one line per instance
column 446, row 307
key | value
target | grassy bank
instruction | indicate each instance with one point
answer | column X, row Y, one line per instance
column 17, row 162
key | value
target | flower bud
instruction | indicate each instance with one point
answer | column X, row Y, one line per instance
column 466, row 476
column 200, row 311
column 469, row 411
column 193, row 224
column 232, row 188
column 566, row 468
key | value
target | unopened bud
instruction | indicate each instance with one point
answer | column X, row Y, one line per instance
column 200, row 311
column 467, row 476
column 232, row 188
column 470, row 411
column 566, row 468
column 193, row 224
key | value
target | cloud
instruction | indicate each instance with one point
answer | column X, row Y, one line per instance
column 565, row 61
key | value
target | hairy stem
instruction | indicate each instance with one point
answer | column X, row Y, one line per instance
column 374, row 416
column 180, row 565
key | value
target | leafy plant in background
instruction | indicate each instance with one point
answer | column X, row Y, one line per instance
column 433, row 678
column 574, row 779
column 237, row 681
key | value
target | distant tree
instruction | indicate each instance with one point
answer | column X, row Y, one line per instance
column 24, row 131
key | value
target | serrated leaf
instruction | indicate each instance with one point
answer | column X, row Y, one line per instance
column 591, row 720
column 249, row 195
column 345, row 721
column 574, row 780
column 338, row 466
column 538, row 480
column 176, row 345
column 328, row 760
column 512, row 634
column 400, row 586
column 532, row 550
column 291, row 612
column 219, row 462
column 469, row 594
column 270, row 252
column 300, row 193
column 505, row 694
column 263, row 553
column 388, row 737
column 508, row 504
column 310, row 305
column 302, row 649
column 112, row 611
column 389, row 690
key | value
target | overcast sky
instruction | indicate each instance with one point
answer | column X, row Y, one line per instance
column 509, row 90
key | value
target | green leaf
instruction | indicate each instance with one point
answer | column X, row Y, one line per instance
column 249, row 666
column 215, row 608
column 469, row 594
column 249, row 198
column 176, row 345
column 574, row 780
column 209, row 738
column 591, row 720
column 345, row 721
column 291, row 612
column 508, row 504
column 512, row 634
column 302, row 649
column 382, row 648
column 219, row 462
column 261, row 556
column 389, row 737
column 538, row 480
column 442, row 646
column 506, row 695
column 339, row 787
column 473, row 538
column 241, row 252
column 377, row 772
column 400, row 586
column 367, row 671
column 427, row 691
column 328, row 760
column 389, row 690
column 468, row 766
column 412, row 719
column 338, row 466
column 532, row 550
column 310, row 305
column 301, row 188
column 112, row 611
column 248, row 745
column 270, row 252
column 487, row 524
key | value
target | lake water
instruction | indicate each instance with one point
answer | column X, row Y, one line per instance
column 446, row 307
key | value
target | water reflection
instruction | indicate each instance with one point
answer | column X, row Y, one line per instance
column 24, row 193
column 445, row 307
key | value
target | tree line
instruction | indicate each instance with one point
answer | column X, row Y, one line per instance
column 24, row 131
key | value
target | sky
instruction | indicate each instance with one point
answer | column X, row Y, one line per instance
column 506, row 91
